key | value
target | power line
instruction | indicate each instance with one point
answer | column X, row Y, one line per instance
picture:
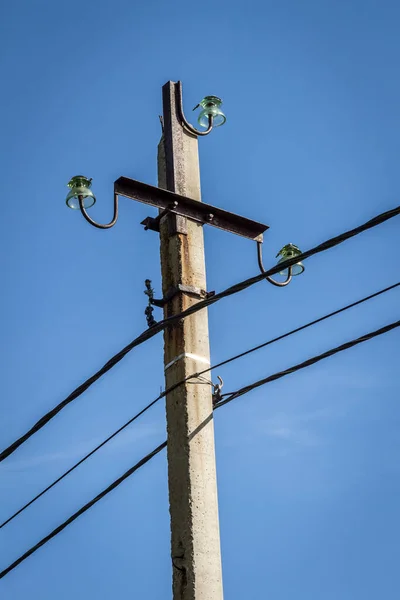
column 194, row 376
column 309, row 324
column 83, row 509
column 149, row 456
column 307, row 363
column 82, row 460
column 161, row 325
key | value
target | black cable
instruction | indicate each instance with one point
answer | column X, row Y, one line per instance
column 194, row 376
column 82, row 460
column 309, row 324
column 83, row 509
column 161, row 325
column 307, row 363
column 149, row 456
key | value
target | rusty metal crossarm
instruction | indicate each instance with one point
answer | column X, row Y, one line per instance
column 187, row 207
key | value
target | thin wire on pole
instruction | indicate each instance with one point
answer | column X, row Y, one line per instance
column 161, row 325
column 187, row 379
column 149, row 456
column 82, row 460
column 83, row 509
column 306, row 363
column 301, row 328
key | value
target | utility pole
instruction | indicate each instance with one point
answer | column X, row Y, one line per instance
column 195, row 539
column 192, row 480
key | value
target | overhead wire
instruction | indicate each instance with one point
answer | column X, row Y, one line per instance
column 82, row 460
column 198, row 375
column 307, row 363
column 149, row 456
column 161, row 325
column 301, row 328
column 84, row 508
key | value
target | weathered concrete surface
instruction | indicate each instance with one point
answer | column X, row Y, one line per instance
column 196, row 556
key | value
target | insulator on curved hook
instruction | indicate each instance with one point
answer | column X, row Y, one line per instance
column 185, row 122
column 268, row 278
column 99, row 225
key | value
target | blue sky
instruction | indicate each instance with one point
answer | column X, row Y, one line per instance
column 308, row 472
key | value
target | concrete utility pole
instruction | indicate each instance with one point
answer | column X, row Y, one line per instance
column 196, row 554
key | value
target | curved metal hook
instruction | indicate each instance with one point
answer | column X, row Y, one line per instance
column 261, row 265
column 185, row 122
column 99, row 225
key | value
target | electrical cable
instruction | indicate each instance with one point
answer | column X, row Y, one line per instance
column 306, row 363
column 161, row 325
column 149, row 456
column 82, row 460
column 187, row 379
column 301, row 328
column 84, row 508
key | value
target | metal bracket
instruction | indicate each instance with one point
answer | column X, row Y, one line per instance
column 182, row 289
column 187, row 207
column 217, row 391
column 176, row 224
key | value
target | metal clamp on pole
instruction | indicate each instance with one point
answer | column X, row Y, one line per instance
column 153, row 223
column 181, row 289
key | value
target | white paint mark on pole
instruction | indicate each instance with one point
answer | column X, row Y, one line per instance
column 200, row 359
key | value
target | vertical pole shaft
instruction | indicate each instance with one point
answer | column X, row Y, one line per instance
column 195, row 541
